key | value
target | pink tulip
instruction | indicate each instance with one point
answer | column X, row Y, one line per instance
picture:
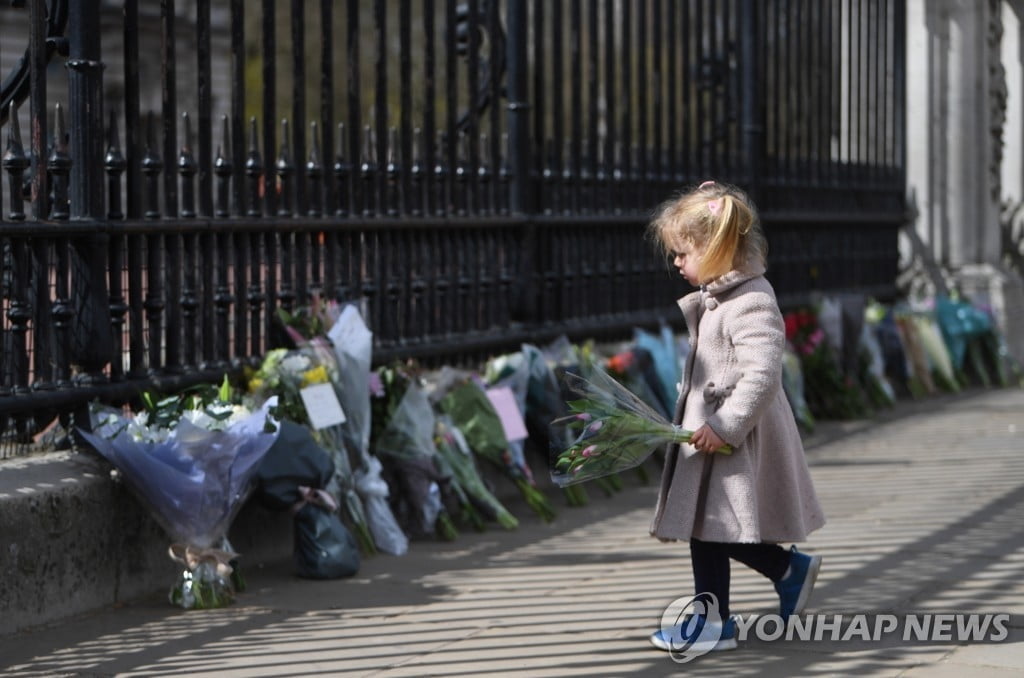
column 589, row 451
column 596, row 426
column 583, row 416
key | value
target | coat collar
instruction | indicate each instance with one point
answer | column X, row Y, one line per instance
column 709, row 293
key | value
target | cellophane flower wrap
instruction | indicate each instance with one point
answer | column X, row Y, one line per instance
column 286, row 373
column 464, row 400
column 458, row 457
column 353, row 347
column 403, row 437
column 538, row 395
column 193, row 472
column 616, row 430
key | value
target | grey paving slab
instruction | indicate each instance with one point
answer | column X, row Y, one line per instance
column 923, row 505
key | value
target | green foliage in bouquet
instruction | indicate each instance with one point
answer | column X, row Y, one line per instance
column 472, row 412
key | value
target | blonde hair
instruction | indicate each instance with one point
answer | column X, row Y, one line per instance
column 717, row 219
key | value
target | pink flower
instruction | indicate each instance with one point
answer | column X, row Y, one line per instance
column 589, row 451
column 596, row 426
column 584, row 416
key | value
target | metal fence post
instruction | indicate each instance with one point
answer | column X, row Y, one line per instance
column 521, row 192
column 91, row 335
column 751, row 100
column 518, row 108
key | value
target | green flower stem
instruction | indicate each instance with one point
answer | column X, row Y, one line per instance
column 446, row 529
column 575, row 495
column 536, row 500
column 605, row 484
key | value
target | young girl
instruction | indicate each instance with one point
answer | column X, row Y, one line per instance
column 742, row 505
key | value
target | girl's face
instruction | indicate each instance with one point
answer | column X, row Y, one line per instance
column 686, row 258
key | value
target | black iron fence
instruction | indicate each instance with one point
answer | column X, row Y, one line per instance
column 477, row 174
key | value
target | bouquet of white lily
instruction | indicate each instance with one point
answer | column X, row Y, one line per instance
column 190, row 460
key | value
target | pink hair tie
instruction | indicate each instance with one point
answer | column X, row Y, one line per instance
column 714, row 206
column 706, row 184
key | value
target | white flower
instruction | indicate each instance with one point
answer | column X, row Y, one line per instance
column 201, row 419
column 295, row 363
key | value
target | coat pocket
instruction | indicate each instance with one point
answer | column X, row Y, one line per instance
column 715, row 393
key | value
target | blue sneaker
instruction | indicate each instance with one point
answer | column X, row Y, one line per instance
column 795, row 590
column 695, row 637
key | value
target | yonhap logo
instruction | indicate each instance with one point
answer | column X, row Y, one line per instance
column 691, row 627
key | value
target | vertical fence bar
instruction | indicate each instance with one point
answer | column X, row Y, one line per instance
column 672, row 89
column 298, row 78
column 451, row 105
column 154, row 302
column 590, row 167
column 237, row 144
column 472, row 127
column 169, row 103
column 405, row 154
column 172, row 241
column 355, row 124
column 643, row 102
column 91, row 336
column 687, row 45
column 519, row 144
column 751, row 104
column 268, row 54
column 899, row 31
column 430, row 150
column 204, row 111
column 496, row 59
column 554, row 91
column 380, row 21
column 37, row 109
column 330, row 203
column 538, row 158
column 54, row 315
column 576, row 106
column 610, row 94
column 624, row 156
column 114, row 165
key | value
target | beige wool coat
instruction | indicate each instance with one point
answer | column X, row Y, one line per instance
column 732, row 380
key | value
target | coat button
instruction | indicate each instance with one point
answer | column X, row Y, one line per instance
column 710, row 303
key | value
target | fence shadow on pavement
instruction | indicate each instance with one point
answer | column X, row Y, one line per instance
column 923, row 513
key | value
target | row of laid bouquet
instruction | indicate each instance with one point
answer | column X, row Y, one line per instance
column 367, row 459
column 848, row 356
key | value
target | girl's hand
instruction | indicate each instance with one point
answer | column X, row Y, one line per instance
column 706, row 440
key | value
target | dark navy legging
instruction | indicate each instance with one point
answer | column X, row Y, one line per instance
column 711, row 565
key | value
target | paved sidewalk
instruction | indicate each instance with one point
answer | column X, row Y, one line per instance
column 925, row 511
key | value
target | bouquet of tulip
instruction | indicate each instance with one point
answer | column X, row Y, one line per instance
column 457, row 456
column 617, row 430
column 465, row 401
column 191, row 460
column 538, row 396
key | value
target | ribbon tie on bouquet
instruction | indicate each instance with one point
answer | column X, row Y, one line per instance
column 318, row 497
column 193, row 556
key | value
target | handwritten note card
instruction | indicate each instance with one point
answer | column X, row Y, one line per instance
column 322, row 406
column 504, row 402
